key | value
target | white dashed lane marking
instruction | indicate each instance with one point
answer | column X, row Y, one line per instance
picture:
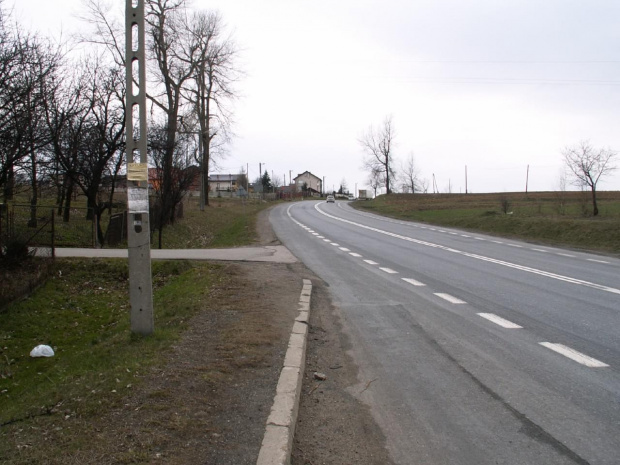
column 335, row 244
column 413, row 282
column 449, row 298
column 539, row 250
column 597, row 261
column 370, row 262
column 344, row 249
column 514, row 245
column 498, row 320
column 353, row 254
column 389, row 270
column 574, row 355
column 566, row 255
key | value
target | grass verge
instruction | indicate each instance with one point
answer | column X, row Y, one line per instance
column 224, row 223
column 82, row 312
column 554, row 218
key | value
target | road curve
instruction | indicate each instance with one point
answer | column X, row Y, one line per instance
column 472, row 349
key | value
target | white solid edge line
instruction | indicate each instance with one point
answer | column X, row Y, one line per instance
column 389, row 270
column 574, row 355
column 413, row 282
column 449, row 298
column 370, row 262
column 498, row 320
column 476, row 256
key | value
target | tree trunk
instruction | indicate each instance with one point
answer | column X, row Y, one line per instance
column 9, row 187
column 33, row 201
column 594, row 206
column 69, row 193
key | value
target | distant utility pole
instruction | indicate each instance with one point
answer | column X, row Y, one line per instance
column 527, row 177
column 138, row 230
column 466, row 179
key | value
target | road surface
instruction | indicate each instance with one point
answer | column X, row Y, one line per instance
column 472, row 349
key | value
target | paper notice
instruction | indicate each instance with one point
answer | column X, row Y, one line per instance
column 138, row 199
column 137, row 172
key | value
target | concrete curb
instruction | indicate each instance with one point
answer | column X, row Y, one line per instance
column 278, row 440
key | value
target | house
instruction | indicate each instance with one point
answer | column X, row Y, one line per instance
column 188, row 177
column 223, row 182
column 313, row 183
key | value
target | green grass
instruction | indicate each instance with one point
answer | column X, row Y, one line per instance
column 224, row 223
column 547, row 217
column 83, row 313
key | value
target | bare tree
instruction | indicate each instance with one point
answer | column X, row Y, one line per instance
column 86, row 121
column 181, row 174
column 209, row 90
column 410, row 174
column 191, row 78
column 28, row 67
column 375, row 180
column 378, row 144
column 588, row 165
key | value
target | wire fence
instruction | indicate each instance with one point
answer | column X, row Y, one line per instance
column 42, row 228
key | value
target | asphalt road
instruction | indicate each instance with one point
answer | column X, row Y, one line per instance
column 472, row 349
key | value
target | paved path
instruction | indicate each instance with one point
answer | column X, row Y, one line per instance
column 273, row 254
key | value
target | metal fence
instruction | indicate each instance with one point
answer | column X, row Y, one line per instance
column 41, row 228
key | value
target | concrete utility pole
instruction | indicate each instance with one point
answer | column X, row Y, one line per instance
column 466, row 179
column 527, row 177
column 138, row 230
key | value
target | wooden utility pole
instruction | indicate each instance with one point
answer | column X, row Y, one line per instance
column 138, row 229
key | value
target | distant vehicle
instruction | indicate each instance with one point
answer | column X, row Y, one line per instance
column 330, row 198
column 351, row 197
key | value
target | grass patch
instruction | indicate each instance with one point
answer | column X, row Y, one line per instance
column 83, row 313
column 224, row 223
column 556, row 218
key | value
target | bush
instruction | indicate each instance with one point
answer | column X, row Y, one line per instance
column 15, row 253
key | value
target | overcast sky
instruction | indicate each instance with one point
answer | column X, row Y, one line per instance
column 494, row 85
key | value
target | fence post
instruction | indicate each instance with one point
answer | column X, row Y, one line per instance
column 53, row 235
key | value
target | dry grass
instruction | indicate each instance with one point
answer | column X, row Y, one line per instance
column 559, row 218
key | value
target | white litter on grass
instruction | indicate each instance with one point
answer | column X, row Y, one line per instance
column 42, row 351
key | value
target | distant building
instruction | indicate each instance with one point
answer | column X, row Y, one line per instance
column 313, row 183
column 223, row 182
